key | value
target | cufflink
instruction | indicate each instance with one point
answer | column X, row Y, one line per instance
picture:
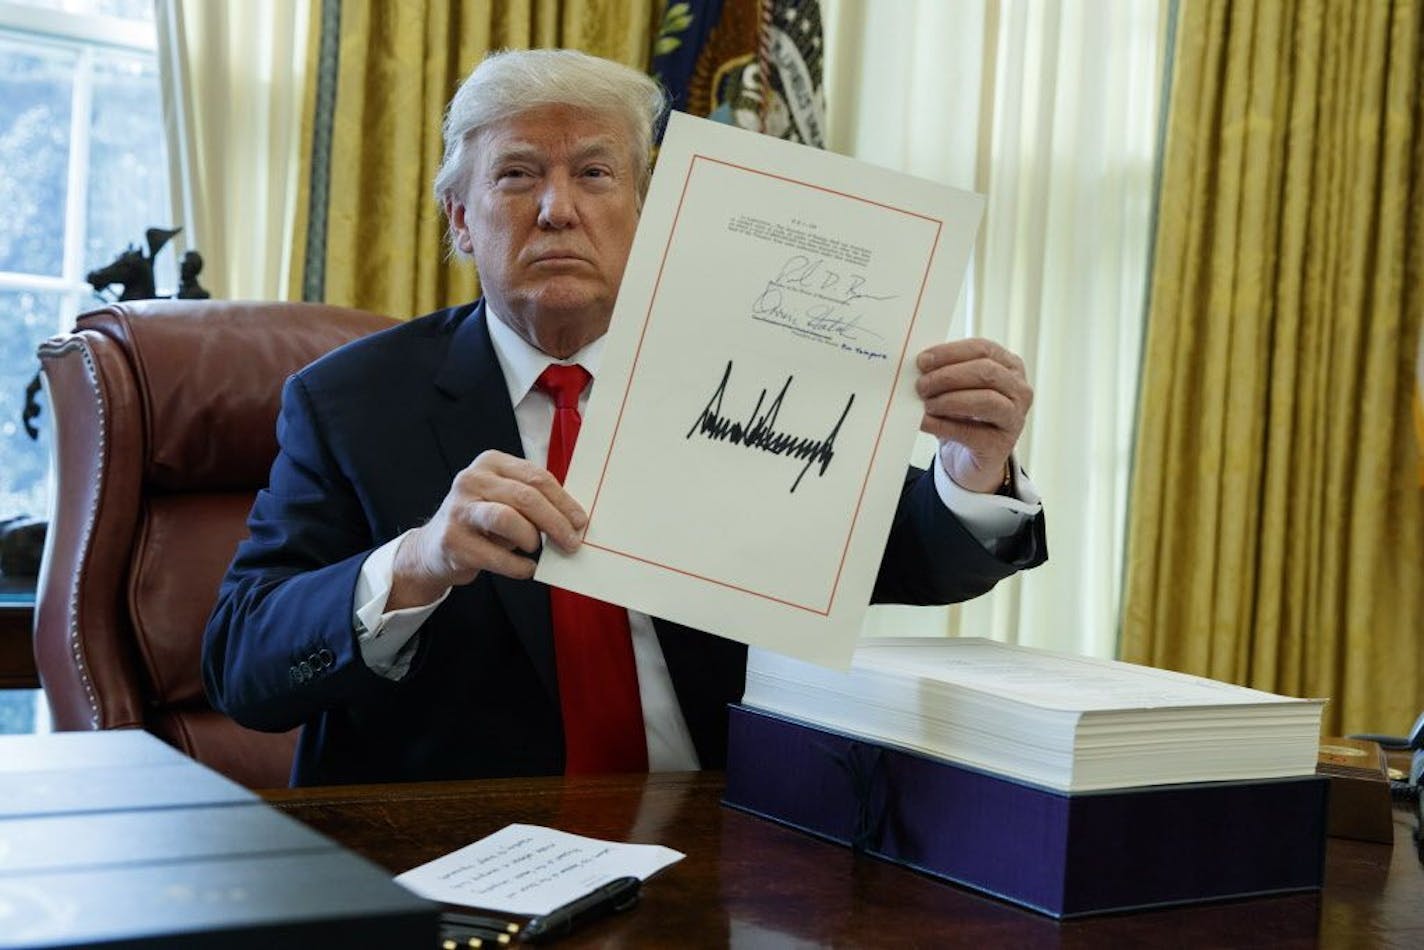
column 1006, row 487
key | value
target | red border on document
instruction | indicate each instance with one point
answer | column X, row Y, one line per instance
column 633, row 370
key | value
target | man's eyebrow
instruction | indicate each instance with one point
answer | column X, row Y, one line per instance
column 515, row 152
column 518, row 151
column 598, row 148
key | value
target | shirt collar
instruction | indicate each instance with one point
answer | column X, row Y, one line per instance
column 522, row 362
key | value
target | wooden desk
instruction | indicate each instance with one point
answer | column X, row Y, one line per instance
column 747, row 882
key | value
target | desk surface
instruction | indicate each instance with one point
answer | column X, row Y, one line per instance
column 747, row 882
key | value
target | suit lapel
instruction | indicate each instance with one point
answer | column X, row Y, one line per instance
column 472, row 415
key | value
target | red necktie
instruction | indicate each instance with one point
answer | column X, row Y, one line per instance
column 593, row 649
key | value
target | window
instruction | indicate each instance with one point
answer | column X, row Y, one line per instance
column 85, row 173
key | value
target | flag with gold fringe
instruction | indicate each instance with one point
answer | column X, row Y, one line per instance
column 755, row 64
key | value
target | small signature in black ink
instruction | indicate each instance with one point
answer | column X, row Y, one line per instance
column 759, row 431
column 811, row 275
column 817, row 301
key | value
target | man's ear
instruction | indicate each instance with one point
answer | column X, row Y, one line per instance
column 459, row 226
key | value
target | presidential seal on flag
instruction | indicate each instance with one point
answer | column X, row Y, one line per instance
column 755, row 64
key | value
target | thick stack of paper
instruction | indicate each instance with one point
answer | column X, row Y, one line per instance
column 1063, row 722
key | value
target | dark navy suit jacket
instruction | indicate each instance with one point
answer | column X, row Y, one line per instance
column 371, row 437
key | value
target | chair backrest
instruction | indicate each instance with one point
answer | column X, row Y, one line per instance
column 164, row 417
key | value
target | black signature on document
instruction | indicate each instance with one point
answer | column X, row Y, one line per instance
column 759, row 431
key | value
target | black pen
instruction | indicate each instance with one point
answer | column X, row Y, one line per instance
column 618, row 894
column 496, row 924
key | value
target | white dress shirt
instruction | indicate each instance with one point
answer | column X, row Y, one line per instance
column 388, row 638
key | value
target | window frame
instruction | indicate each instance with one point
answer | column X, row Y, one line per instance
column 83, row 34
column 88, row 44
column 87, row 36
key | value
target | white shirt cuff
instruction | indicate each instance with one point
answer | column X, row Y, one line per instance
column 990, row 518
column 387, row 638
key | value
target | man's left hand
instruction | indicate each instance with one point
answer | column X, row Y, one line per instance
column 976, row 398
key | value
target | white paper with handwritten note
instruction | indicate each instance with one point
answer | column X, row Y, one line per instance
column 529, row 869
column 746, row 441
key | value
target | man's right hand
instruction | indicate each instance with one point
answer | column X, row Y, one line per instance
column 497, row 507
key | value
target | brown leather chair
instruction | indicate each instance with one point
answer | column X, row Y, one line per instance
column 164, row 419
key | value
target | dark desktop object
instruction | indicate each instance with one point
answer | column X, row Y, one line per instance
column 115, row 840
column 21, row 543
column 1360, row 802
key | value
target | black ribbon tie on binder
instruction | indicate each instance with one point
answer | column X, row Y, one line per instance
column 862, row 765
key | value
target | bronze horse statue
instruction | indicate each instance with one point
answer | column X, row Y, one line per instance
column 132, row 269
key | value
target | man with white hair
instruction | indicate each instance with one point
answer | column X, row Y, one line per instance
column 383, row 599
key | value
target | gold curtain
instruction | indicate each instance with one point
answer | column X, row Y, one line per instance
column 397, row 66
column 1275, row 534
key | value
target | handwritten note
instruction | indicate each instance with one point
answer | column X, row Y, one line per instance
column 528, row 869
column 747, row 437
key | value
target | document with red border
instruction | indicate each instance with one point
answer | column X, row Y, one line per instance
column 745, row 443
